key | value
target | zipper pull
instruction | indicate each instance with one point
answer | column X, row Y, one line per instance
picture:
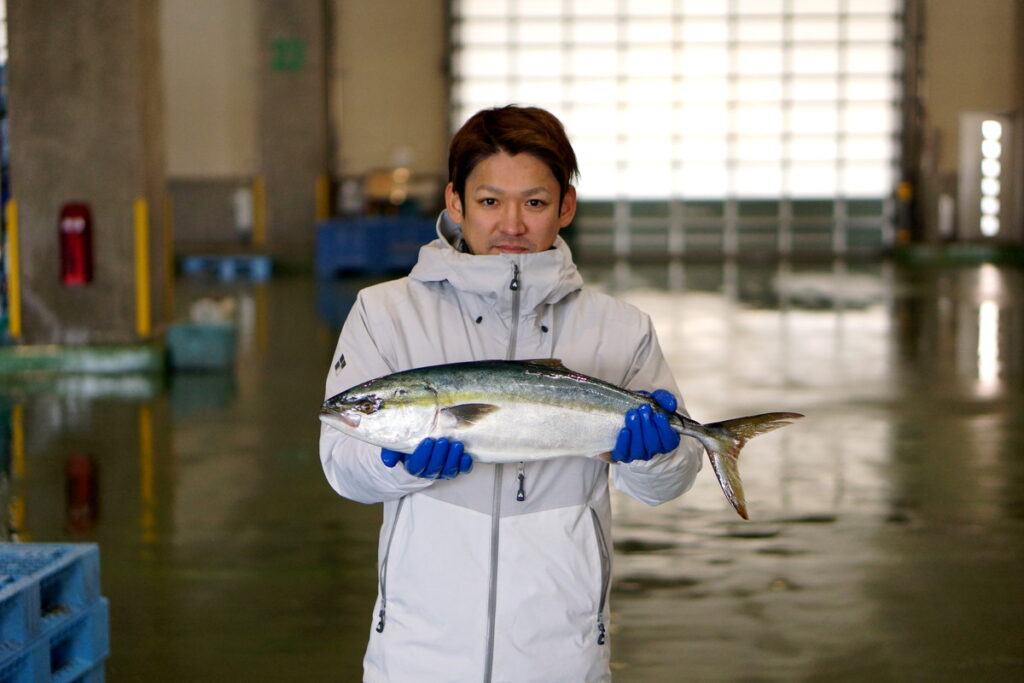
column 521, row 493
column 600, row 631
column 514, row 285
column 380, row 624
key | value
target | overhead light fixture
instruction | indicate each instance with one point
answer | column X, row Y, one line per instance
column 991, row 168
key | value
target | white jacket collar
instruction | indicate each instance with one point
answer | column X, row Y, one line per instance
column 545, row 277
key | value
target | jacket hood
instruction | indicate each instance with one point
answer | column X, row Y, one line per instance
column 545, row 277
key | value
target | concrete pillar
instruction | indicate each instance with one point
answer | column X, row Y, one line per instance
column 293, row 120
column 85, row 111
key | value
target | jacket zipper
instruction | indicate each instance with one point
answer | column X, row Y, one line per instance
column 606, row 575
column 492, row 594
column 383, row 578
column 521, row 476
column 510, row 355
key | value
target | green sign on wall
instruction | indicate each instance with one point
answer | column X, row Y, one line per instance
column 287, row 54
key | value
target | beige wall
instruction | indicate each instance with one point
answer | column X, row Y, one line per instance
column 1019, row 59
column 971, row 63
column 390, row 83
column 387, row 85
column 209, row 70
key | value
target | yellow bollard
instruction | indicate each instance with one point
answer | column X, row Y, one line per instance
column 142, row 302
column 259, row 211
column 13, row 271
column 17, row 519
column 323, row 197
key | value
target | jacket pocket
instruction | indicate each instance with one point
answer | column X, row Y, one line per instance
column 382, row 576
column 606, row 574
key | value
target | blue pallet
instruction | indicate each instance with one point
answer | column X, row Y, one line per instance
column 76, row 651
column 228, row 266
column 373, row 244
column 42, row 587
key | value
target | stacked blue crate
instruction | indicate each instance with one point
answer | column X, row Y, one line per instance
column 370, row 244
column 54, row 625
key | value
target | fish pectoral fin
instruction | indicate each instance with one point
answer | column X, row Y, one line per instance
column 468, row 414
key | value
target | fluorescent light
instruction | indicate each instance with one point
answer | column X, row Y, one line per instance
column 990, row 187
column 991, row 149
column 990, row 168
column 991, row 130
column 989, row 226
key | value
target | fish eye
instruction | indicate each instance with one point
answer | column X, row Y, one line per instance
column 369, row 405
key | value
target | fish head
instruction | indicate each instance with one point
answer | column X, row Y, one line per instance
column 392, row 412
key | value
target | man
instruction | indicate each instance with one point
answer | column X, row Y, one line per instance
column 500, row 572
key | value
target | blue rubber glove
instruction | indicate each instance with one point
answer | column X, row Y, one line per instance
column 432, row 459
column 647, row 433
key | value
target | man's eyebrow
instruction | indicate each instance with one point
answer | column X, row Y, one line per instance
column 526, row 193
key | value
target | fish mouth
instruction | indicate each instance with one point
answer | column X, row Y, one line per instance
column 333, row 417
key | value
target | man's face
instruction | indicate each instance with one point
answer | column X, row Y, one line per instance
column 511, row 206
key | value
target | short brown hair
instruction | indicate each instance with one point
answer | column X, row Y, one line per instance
column 514, row 130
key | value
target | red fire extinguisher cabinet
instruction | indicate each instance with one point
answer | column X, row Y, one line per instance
column 75, row 244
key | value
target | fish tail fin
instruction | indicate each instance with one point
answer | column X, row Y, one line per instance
column 723, row 441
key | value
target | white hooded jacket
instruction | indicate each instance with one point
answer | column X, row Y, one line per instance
column 502, row 573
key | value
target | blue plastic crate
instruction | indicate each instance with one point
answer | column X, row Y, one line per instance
column 30, row 664
column 202, row 346
column 78, row 647
column 373, row 244
column 42, row 587
column 76, row 651
column 228, row 266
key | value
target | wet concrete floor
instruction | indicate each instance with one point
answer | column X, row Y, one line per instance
column 887, row 540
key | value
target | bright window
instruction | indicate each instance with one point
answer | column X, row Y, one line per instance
column 697, row 99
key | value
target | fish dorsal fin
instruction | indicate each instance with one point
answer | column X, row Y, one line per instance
column 554, row 363
column 468, row 414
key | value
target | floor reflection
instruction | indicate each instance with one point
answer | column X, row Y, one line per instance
column 887, row 532
column 911, row 450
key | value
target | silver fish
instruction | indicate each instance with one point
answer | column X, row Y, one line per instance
column 513, row 411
